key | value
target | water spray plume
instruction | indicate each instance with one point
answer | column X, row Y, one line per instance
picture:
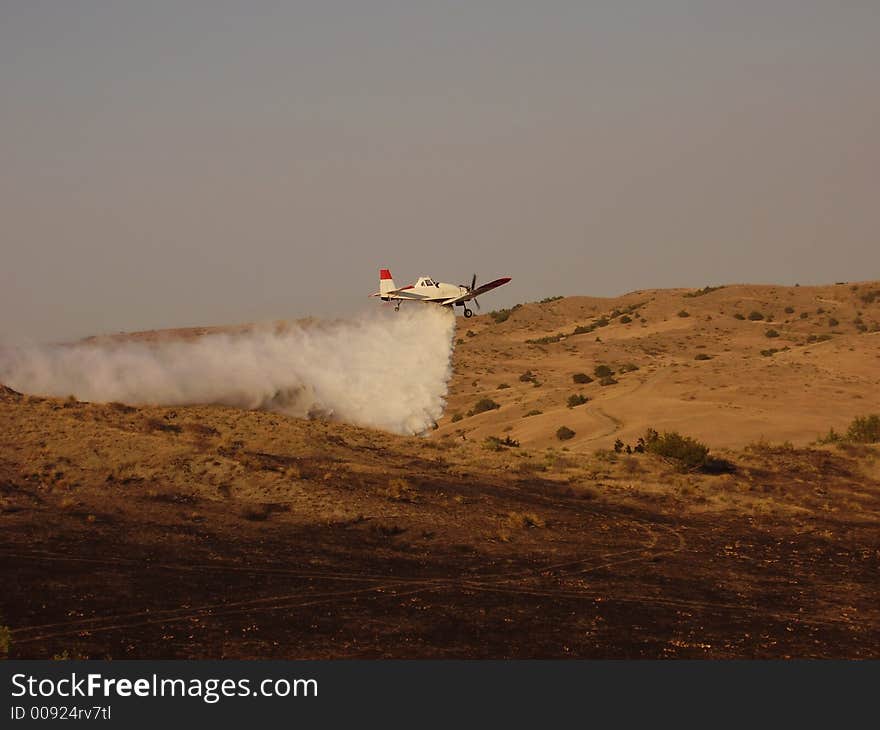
column 385, row 370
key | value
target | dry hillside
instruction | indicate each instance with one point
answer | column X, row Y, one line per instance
column 703, row 365
column 136, row 532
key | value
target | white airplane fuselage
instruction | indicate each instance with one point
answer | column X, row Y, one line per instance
column 426, row 289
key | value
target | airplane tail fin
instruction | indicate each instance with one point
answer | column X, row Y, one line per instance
column 386, row 283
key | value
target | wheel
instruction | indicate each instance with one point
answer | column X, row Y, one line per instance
column 468, row 313
column 397, row 307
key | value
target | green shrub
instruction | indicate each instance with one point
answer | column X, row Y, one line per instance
column 601, row 322
column 547, row 300
column 789, row 310
column 548, row 340
column 755, row 316
column 702, row 356
column 832, row 437
column 583, row 329
column 607, row 380
column 564, row 433
column 869, row 297
column 502, row 386
column 702, row 292
column 629, row 367
column 533, row 412
column 738, row 315
column 626, row 319
column 684, row 313
column 527, row 377
column 832, row 322
column 493, row 443
column 500, row 315
column 632, row 308
column 602, row 371
column 687, row 452
column 581, row 378
column 577, row 400
column 864, row 429
column 771, row 333
column 456, row 417
column 483, row 405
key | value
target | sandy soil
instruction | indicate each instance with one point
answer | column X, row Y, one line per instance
column 826, row 370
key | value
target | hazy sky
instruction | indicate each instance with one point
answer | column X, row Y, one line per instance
column 173, row 163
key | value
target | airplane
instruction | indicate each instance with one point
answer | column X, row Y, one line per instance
column 435, row 292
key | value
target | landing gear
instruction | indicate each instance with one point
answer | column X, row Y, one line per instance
column 397, row 307
column 468, row 313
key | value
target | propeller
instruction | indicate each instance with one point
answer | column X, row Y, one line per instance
column 471, row 288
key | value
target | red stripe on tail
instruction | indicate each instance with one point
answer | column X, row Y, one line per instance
column 384, row 274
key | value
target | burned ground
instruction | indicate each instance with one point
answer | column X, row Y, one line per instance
column 133, row 532
column 254, row 535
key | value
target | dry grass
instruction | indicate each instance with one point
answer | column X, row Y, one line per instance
column 158, row 424
column 522, row 520
column 399, row 490
column 209, row 469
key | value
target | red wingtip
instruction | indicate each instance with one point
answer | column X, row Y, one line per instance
column 384, row 274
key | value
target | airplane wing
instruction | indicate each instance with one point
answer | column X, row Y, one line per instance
column 476, row 292
column 403, row 294
column 399, row 294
